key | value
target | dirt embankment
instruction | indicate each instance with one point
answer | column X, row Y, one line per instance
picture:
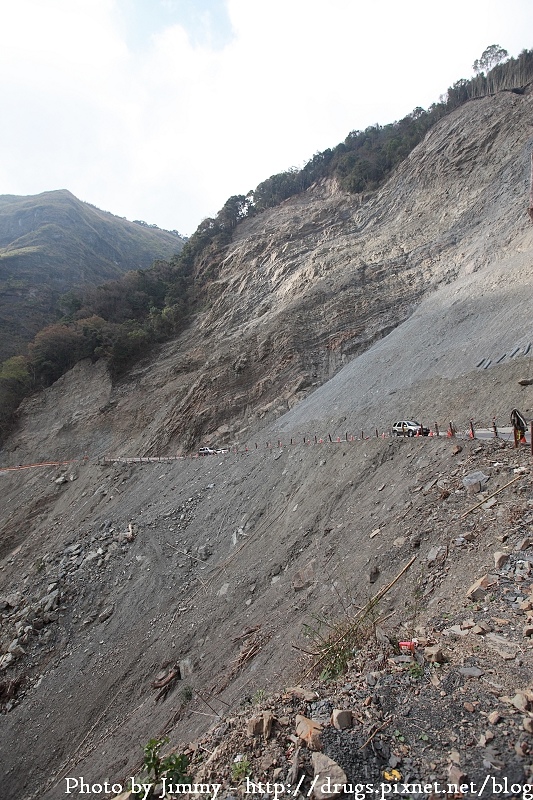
column 218, row 565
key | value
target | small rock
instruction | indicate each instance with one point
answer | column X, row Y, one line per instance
column 520, row 701
column 330, row 778
column 494, row 717
column 106, row 613
column 456, row 774
column 500, row 559
column 524, row 544
column 373, row 575
column 478, row 589
column 481, row 628
column 475, row 481
column 341, row 719
column 304, row 578
column 309, row 731
column 254, row 726
column 471, row 672
column 434, row 654
column 485, row 738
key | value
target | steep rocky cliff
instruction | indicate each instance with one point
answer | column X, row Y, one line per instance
column 329, row 314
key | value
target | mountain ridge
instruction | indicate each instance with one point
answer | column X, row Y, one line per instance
column 52, row 243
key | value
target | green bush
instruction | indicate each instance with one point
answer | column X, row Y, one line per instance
column 173, row 767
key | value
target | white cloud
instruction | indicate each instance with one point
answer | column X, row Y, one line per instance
column 155, row 121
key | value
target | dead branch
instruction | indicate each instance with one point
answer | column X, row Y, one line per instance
column 387, row 722
column 491, row 495
column 362, row 614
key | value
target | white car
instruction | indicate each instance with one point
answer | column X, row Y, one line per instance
column 206, row 451
column 409, row 428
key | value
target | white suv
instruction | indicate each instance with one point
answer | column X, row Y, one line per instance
column 409, row 428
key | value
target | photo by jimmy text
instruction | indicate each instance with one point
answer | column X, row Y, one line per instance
column 166, row 787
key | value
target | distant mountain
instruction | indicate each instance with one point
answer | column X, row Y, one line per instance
column 52, row 242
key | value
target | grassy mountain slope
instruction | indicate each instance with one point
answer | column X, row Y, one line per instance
column 52, row 242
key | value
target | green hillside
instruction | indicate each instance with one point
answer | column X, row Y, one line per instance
column 53, row 242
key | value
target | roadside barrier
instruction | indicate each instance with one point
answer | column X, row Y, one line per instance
column 42, row 464
column 504, row 434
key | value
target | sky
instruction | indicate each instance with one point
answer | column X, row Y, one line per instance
column 160, row 110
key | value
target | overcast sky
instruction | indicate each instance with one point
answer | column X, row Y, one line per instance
column 162, row 109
